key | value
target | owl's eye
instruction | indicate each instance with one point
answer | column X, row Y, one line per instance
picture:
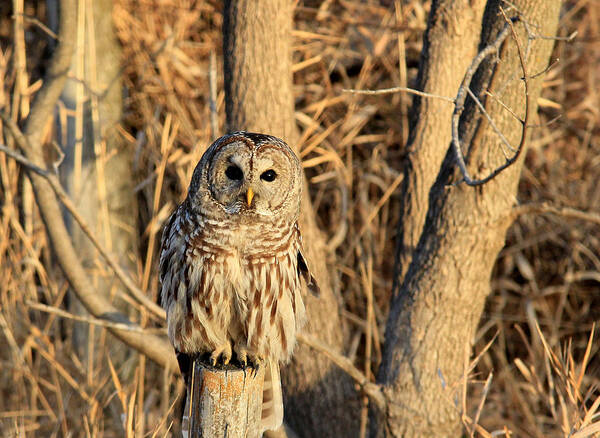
column 234, row 173
column 268, row 175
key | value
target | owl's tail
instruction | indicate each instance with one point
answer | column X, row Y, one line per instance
column 272, row 406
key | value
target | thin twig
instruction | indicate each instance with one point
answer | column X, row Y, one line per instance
column 464, row 90
column 549, row 67
column 92, row 320
column 491, row 121
column 505, row 106
column 547, row 208
column 399, row 90
column 371, row 389
column 22, row 160
column 39, row 24
column 545, row 124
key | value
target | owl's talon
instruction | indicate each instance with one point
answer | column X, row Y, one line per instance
column 223, row 352
column 242, row 355
column 247, row 357
column 256, row 361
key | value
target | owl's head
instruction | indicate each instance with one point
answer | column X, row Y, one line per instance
column 248, row 174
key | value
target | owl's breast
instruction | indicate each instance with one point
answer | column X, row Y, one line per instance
column 234, row 271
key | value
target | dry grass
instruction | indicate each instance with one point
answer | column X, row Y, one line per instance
column 543, row 362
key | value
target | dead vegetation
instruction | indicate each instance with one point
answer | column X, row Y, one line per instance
column 539, row 374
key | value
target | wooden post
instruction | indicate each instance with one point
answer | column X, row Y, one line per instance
column 223, row 401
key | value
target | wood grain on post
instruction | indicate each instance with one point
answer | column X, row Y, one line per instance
column 224, row 401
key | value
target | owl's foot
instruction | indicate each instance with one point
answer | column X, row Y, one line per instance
column 246, row 356
column 223, row 351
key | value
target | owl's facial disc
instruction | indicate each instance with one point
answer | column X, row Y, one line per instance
column 228, row 174
column 273, row 180
column 245, row 180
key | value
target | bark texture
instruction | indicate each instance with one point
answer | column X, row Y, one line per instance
column 450, row 43
column 258, row 66
column 319, row 399
column 434, row 315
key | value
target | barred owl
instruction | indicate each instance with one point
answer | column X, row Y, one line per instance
column 231, row 260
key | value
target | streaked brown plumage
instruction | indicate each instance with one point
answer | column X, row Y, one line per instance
column 231, row 260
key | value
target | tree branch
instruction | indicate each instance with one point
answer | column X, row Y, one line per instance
column 400, row 90
column 94, row 321
column 464, row 91
column 548, row 208
column 371, row 389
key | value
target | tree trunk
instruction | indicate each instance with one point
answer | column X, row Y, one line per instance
column 435, row 312
column 318, row 397
column 449, row 45
column 96, row 170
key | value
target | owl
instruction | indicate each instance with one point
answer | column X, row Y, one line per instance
column 231, row 261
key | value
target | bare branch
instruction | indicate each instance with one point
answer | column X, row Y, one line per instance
column 21, row 159
column 549, row 67
column 547, row 208
column 506, row 107
column 371, row 389
column 490, row 120
column 568, row 39
column 398, row 90
column 39, row 24
column 94, row 321
column 464, row 90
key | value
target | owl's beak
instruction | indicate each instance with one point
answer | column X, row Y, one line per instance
column 249, row 196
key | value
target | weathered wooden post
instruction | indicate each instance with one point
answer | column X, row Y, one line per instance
column 223, row 401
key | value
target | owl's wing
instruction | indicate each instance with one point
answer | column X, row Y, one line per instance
column 166, row 243
column 170, row 260
column 172, row 242
column 304, row 271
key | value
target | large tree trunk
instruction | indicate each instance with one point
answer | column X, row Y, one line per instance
column 435, row 312
column 320, row 400
column 96, row 170
column 449, row 45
